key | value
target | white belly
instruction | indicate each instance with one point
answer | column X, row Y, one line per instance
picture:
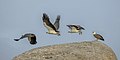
column 50, row 30
column 75, row 31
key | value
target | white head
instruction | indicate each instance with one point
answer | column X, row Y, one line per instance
column 94, row 32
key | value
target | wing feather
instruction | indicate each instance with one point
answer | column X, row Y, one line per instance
column 47, row 23
column 98, row 36
column 57, row 23
column 72, row 27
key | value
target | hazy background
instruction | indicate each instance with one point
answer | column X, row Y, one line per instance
column 18, row 17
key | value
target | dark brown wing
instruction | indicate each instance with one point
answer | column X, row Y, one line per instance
column 32, row 40
column 98, row 36
column 82, row 28
column 48, row 24
column 57, row 23
column 76, row 27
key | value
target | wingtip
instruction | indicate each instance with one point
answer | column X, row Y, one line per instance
column 83, row 28
column 44, row 14
column 58, row 17
column 67, row 25
column 16, row 39
column 102, row 39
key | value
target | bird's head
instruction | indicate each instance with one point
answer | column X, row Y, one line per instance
column 94, row 32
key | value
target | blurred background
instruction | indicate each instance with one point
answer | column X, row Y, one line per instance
column 18, row 17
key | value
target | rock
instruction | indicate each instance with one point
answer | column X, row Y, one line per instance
column 88, row 50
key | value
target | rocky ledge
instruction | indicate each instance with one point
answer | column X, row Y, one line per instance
column 87, row 50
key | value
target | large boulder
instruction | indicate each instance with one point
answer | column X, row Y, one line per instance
column 88, row 50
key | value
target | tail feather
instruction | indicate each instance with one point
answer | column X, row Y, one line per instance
column 33, row 42
column 102, row 39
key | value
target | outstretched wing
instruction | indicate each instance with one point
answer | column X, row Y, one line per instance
column 23, row 36
column 47, row 23
column 57, row 23
column 72, row 27
column 80, row 27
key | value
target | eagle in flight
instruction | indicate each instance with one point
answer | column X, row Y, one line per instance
column 75, row 29
column 31, row 38
column 52, row 28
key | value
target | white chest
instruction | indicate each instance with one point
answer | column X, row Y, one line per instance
column 75, row 30
column 50, row 30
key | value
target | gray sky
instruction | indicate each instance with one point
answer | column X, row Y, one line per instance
column 18, row 17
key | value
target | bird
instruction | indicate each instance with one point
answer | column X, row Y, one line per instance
column 98, row 36
column 75, row 29
column 52, row 28
column 31, row 38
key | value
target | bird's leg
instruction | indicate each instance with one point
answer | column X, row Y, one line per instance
column 47, row 33
column 80, row 33
column 58, row 34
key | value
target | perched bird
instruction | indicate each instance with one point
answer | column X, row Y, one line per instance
column 31, row 38
column 52, row 29
column 98, row 36
column 75, row 29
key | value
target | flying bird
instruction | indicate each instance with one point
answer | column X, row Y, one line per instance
column 75, row 29
column 52, row 29
column 98, row 36
column 31, row 38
